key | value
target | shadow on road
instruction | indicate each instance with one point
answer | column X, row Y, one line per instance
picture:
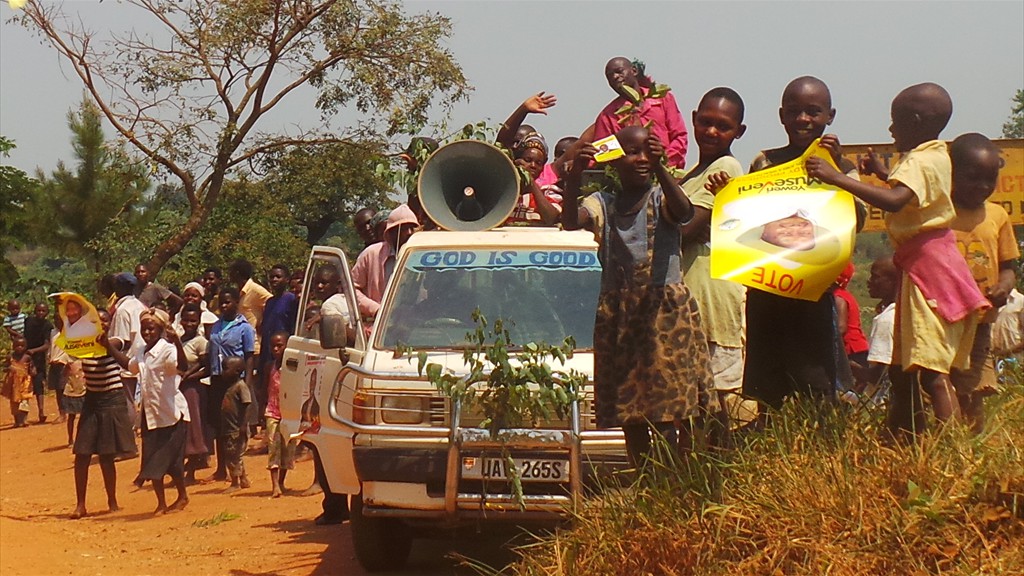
column 439, row 555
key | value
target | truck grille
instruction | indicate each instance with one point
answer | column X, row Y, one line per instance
column 439, row 409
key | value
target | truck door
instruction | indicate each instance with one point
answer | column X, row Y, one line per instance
column 312, row 401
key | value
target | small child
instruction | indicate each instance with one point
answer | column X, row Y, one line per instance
column 938, row 299
column 234, row 429
column 882, row 284
column 14, row 322
column 717, row 122
column 985, row 238
column 848, row 317
column 281, row 452
column 74, row 396
column 17, row 385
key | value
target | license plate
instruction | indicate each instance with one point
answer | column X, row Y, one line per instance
column 530, row 469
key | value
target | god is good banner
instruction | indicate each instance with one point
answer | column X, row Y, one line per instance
column 778, row 231
column 80, row 326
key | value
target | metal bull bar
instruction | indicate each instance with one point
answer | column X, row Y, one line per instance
column 477, row 439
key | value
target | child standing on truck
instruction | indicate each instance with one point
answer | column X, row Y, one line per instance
column 717, row 122
column 938, row 298
column 985, row 237
column 281, row 451
column 793, row 346
column 234, row 427
column 650, row 354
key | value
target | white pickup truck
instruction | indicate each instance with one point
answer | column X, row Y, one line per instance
column 403, row 452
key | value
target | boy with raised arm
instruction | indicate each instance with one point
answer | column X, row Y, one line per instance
column 936, row 311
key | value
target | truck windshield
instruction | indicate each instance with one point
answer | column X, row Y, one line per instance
column 546, row 294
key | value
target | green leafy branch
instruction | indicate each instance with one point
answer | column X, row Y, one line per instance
column 514, row 386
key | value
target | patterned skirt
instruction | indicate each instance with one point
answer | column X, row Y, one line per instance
column 651, row 359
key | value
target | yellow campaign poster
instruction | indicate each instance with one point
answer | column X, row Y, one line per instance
column 777, row 231
column 80, row 326
column 1009, row 192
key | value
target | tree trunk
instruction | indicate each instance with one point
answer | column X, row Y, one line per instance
column 173, row 246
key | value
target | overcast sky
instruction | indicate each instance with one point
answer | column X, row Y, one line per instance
column 865, row 51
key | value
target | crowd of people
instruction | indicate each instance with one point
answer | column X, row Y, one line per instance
column 673, row 347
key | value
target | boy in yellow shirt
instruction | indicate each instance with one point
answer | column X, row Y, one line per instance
column 985, row 237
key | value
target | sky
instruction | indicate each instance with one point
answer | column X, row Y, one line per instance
column 865, row 51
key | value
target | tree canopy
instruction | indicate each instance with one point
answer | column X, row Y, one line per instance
column 324, row 184
column 194, row 97
column 1014, row 127
column 17, row 190
column 75, row 205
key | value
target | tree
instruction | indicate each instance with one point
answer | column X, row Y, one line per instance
column 1014, row 127
column 193, row 100
column 17, row 190
column 325, row 184
column 250, row 223
column 73, row 208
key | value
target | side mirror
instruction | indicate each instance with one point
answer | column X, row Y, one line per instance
column 333, row 331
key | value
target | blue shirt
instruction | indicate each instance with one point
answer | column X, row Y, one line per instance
column 234, row 338
column 278, row 316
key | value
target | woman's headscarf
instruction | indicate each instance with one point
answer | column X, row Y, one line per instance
column 205, row 316
column 162, row 319
column 532, row 140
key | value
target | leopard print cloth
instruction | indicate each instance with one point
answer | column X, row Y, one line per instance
column 651, row 359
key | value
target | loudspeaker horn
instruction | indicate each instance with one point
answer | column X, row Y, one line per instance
column 468, row 185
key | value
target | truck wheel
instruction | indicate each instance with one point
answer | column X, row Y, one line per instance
column 380, row 543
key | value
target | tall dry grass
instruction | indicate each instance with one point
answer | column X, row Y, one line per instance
column 813, row 495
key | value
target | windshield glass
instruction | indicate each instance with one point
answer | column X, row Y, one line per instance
column 547, row 295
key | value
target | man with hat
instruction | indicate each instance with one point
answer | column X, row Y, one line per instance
column 375, row 264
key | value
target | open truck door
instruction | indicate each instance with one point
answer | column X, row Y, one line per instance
column 314, row 404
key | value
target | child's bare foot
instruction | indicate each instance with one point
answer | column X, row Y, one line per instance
column 178, row 504
column 275, row 494
column 160, row 511
column 112, row 505
column 78, row 513
column 244, row 482
column 231, row 489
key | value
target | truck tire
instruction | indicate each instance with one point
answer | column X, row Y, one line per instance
column 381, row 544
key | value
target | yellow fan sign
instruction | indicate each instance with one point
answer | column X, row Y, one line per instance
column 80, row 326
column 780, row 232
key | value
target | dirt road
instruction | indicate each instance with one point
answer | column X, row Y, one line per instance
column 268, row 536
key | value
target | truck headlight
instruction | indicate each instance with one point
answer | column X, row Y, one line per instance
column 405, row 409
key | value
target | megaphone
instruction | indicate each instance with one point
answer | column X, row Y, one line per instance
column 468, row 185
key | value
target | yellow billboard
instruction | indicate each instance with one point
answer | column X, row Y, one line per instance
column 1009, row 189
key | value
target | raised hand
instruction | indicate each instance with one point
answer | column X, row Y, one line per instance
column 539, row 103
column 655, row 147
column 870, row 164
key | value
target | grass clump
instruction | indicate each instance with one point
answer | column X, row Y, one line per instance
column 813, row 495
column 218, row 518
